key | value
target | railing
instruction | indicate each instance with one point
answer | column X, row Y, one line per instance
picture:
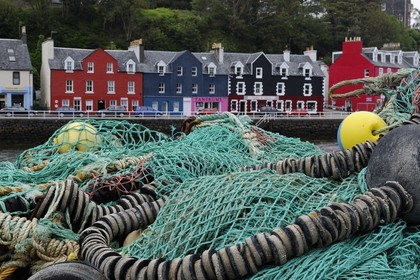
column 263, row 117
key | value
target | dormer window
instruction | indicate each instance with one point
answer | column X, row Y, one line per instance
column 131, row 66
column 383, row 57
column 69, row 64
column 90, row 67
column 259, row 73
column 283, row 72
column 161, row 68
column 307, row 71
column 416, row 60
column 212, row 69
column 375, row 55
column 239, row 70
column 400, row 59
column 392, row 58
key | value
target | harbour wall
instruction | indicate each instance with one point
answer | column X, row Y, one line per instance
column 38, row 131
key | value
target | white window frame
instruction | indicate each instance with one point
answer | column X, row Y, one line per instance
column 288, row 105
column 89, row 105
column 280, row 105
column 179, row 71
column 381, row 71
column 65, row 103
column 131, row 87
column 178, row 88
column 254, row 105
column 258, row 88
column 212, row 71
column 124, row 102
column 194, row 71
column 315, row 103
column 240, row 88
column 110, row 67
column 176, row 106
column 89, row 86
column 239, row 71
column 69, row 86
column 212, row 88
column 90, row 67
column 134, row 104
column 131, row 67
column 113, row 102
column 281, row 88
column 366, row 72
column 194, row 88
column 300, row 105
column 259, row 72
column 161, row 70
column 161, row 88
column 286, row 72
column 307, row 89
column 69, row 65
column 111, row 87
column 234, row 105
column 77, row 103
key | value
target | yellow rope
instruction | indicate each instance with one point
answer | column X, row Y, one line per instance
column 7, row 273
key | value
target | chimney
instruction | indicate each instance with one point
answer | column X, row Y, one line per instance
column 352, row 45
column 137, row 47
column 311, row 53
column 218, row 51
column 23, row 36
column 286, row 55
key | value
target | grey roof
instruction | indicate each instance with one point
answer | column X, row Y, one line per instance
column 152, row 58
column 22, row 60
column 295, row 63
column 78, row 55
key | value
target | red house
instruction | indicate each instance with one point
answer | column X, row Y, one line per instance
column 355, row 62
column 89, row 80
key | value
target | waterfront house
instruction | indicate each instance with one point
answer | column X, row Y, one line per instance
column 356, row 62
column 283, row 81
column 16, row 78
column 88, row 79
column 182, row 82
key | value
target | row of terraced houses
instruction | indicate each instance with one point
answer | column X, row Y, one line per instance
column 186, row 82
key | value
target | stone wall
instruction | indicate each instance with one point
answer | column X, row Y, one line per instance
column 40, row 130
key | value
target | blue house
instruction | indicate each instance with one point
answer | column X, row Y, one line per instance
column 183, row 82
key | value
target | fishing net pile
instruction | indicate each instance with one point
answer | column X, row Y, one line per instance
column 215, row 188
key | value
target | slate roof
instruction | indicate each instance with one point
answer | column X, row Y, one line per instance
column 20, row 53
column 78, row 55
column 152, row 58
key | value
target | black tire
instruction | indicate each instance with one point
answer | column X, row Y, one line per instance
column 71, row 270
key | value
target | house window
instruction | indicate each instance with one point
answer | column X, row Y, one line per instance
column 176, row 106
column 65, row 103
column 89, row 105
column 194, row 71
column 240, row 88
column 89, row 86
column 124, row 103
column 111, row 86
column 179, row 71
column 130, row 87
column 259, row 72
column 388, row 70
column 16, row 78
column 381, row 70
column 280, row 89
column 234, row 105
column 161, row 70
column 239, row 70
column 254, row 104
column 307, row 72
column 258, row 88
column 161, row 88
column 212, row 71
column 155, row 105
column 212, row 88
column 280, row 105
column 366, row 73
column 283, row 72
column 77, row 103
column 110, row 67
column 288, row 105
column 69, row 86
column 311, row 106
column 130, row 68
column 307, row 89
column 69, row 66
column 301, row 105
column 178, row 88
column 90, row 67
column 134, row 104
column 194, row 88
column 112, row 102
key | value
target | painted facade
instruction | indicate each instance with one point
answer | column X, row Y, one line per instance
column 89, row 80
column 286, row 82
column 356, row 62
column 16, row 78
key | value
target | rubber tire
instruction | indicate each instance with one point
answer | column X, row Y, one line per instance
column 71, row 270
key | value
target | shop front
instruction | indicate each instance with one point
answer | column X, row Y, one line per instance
column 220, row 104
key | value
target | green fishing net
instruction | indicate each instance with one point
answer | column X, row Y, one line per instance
column 210, row 203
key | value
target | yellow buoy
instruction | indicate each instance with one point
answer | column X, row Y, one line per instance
column 357, row 128
column 79, row 136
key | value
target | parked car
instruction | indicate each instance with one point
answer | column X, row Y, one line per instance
column 207, row 111
column 147, row 111
column 11, row 111
column 264, row 110
column 298, row 113
column 115, row 111
column 69, row 111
